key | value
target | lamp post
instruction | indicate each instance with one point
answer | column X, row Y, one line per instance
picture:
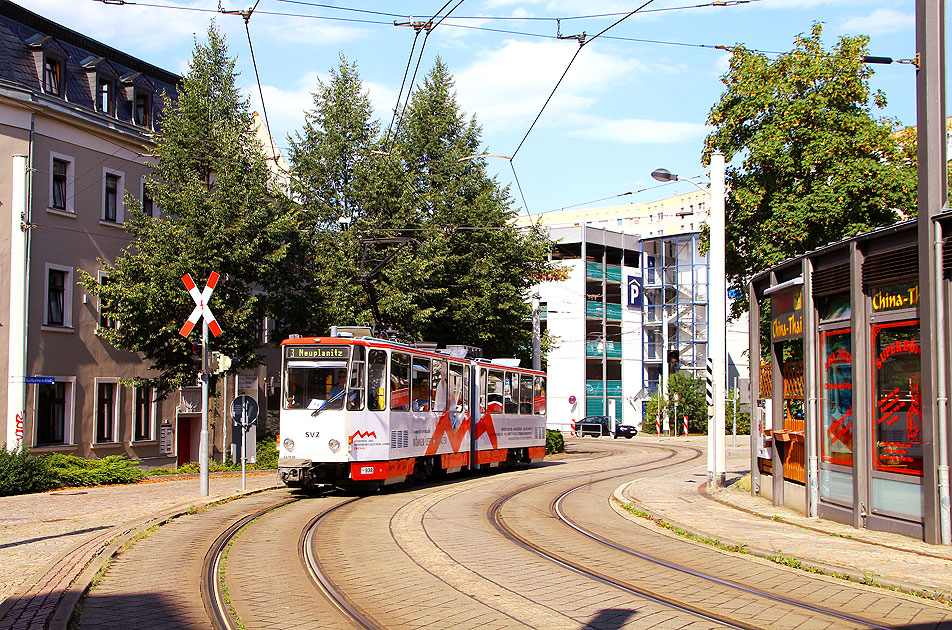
column 717, row 314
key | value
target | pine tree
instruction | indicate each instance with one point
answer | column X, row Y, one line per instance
column 220, row 211
column 466, row 282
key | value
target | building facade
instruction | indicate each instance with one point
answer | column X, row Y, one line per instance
column 76, row 117
column 844, row 431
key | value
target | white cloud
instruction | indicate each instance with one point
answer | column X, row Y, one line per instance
column 879, row 22
column 640, row 131
column 286, row 107
column 507, row 87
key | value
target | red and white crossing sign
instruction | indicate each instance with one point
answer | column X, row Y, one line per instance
column 201, row 305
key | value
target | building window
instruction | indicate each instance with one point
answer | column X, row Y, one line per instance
column 51, row 408
column 148, row 205
column 143, row 415
column 59, row 295
column 113, row 191
column 106, row 408
column 143, row 107
column 52, row 75
column 897, row 398
column 105, row 95
column 104, row 320
column 60, row 180
column 836, row 391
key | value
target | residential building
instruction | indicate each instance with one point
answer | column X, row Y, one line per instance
column 76, row 117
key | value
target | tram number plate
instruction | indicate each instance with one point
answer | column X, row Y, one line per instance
column 366, row 470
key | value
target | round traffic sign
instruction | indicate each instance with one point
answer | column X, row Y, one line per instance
column 244, row 409
column 571, row 400
column 676, row 397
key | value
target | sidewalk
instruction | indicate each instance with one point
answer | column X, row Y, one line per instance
column 47, row 540
column 736, row 518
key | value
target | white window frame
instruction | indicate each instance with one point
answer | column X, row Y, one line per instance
column 120, row 198
column 67, row 324
column 68, row 424
column 70, row 183
column 116, row 410
column 135, row 414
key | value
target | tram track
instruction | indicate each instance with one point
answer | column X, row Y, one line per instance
column 556, row 511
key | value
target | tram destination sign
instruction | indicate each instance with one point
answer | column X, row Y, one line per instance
column 786, row 314
column 318, row 352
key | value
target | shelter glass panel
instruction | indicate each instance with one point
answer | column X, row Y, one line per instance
column 897, row 400
column 836, row 397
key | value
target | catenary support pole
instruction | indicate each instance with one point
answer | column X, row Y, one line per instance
column 16, row 325
column 717, row 326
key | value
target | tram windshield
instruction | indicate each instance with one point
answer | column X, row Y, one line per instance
column 315, row 385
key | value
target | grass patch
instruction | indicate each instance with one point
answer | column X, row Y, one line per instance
column 742, row 484
column 683, row 533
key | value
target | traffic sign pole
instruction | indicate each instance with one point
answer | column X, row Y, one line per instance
column 203, row 448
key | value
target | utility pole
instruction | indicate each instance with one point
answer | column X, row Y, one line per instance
column 933, row 199
column 536, row 334
column 717, row 326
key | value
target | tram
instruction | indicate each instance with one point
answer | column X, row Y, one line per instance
column 356, row 410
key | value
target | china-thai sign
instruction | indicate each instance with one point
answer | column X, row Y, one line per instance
column 786, row 315
column 896, row 296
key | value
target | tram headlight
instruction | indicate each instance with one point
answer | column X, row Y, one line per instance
column 288, row 444
column 334, row 445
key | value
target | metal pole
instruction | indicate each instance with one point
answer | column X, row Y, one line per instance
column 717, row 326
column 931, row 137
column 244, row 434
column 734, row 440
column 942, row 396
column 675, row 418
column 536, row 334
column 203, row 442
column 17, row 346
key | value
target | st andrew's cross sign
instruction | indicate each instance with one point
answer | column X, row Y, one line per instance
column 201, row 305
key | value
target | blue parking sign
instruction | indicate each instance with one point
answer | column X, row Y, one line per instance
column 635, row 299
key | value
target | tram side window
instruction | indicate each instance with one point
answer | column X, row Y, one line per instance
column 438, row 387
column 421, row 384
column 465, row 394
column 539, row 395
column 456, row 389
column 399, row 382
column 355, row 386
column 525, row 394
column 377, row 380
column 512, row 392
column 494, row 392
column 483, row 390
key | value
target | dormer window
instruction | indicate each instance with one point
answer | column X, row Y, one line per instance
column 105, row 95
column 143, row 109
column 52, row 75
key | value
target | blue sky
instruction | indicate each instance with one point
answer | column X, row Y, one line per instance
column 628, row 105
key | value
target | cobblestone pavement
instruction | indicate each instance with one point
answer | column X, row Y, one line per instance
column 736, row 517
column 47, row 539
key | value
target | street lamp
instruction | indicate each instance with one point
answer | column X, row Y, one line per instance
column 717, row 314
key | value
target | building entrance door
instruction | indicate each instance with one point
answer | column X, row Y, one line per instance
column 184, row 439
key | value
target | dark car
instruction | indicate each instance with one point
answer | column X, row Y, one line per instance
column 597, row 426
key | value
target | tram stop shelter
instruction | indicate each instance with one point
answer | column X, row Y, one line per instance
column 838, row 429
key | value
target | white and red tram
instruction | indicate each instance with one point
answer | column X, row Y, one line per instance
column 374, row 412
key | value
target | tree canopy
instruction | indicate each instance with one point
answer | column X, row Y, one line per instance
column 808, row 162
column 464, row 279
column 220, row 211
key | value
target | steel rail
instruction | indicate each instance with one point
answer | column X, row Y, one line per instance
column 211, row 588
column 494, row 514
column 319, row 577
column 556, row 509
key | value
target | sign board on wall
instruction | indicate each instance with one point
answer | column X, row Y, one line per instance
column 635, row 299
column 166, row 439
column 786, row 315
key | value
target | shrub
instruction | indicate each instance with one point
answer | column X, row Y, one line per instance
column 72, row 471
column 554, row 442
column 22, row 474
column 266, row 454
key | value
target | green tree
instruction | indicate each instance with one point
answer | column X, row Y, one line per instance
column 466, row 282
column 692, row 401
column 815, row 165
column 219, row 212
column 342, row 183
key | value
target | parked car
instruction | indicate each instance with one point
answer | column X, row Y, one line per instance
column 597, row 426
